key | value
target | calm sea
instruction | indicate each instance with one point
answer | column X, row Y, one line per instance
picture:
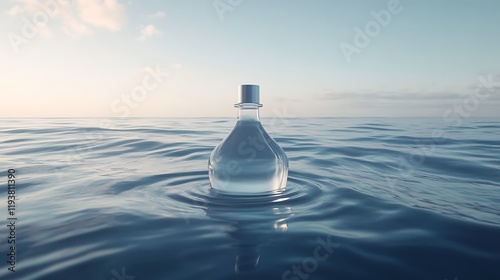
column 123, row 199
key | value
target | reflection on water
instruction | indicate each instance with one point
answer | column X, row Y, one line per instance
column 252, row 221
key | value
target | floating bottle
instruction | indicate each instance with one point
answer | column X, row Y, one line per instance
column 248, row 160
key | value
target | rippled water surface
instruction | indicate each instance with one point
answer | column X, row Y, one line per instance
column 365, row 199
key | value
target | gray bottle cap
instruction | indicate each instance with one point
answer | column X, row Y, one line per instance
column 249, row 94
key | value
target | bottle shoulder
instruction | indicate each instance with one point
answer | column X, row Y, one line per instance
column 249, row 139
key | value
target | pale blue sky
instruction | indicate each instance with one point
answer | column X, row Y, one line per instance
column 90, row 56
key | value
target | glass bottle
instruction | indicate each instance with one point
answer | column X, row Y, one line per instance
column 248, row 160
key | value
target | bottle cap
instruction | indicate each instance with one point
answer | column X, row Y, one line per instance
column 249, row 94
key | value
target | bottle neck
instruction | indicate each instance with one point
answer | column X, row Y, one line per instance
column 248, row 112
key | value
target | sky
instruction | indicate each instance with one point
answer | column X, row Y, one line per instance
column 187, row 58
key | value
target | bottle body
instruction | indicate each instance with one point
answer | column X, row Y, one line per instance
column 248, row 160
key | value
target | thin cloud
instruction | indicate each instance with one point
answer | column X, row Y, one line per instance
column 286, row 99
column 492, row 82
column 107, row 14
column 75, row 17
column 72, row 24
column 14, row 11
column 24, row 7
column 390, row 96
column 158, row 14
column 148, row 31
column 44, row 30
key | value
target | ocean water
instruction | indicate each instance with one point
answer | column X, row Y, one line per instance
column 388, row 198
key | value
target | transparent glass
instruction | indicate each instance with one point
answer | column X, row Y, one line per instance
column 248, row 160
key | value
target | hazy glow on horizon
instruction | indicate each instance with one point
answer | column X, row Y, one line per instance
column 186, row 58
